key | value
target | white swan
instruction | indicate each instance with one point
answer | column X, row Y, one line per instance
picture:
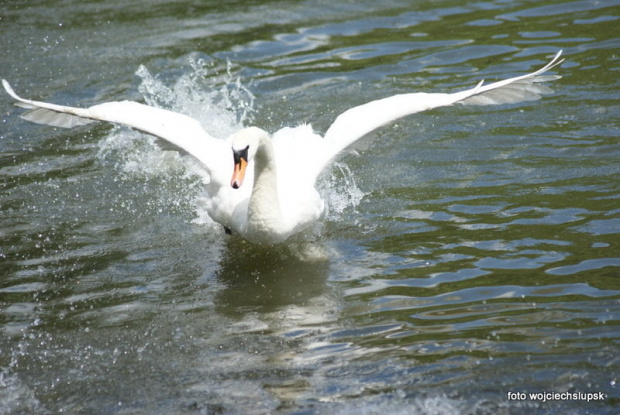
column 281, row 198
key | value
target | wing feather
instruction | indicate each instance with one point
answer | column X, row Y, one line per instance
column 356, row 122
column 181, row 130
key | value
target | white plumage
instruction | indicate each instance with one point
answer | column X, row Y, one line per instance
column 277, row 197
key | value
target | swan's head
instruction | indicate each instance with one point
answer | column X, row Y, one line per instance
column 245, row 144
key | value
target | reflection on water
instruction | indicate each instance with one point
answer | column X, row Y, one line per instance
column 467, row 253
column 265, row 279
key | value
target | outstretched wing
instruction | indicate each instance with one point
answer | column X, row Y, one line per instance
column 356, row 122
column 180, row 130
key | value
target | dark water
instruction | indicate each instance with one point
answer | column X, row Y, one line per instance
column 470, row 256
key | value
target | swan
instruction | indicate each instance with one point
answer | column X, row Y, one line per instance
column 262, row 187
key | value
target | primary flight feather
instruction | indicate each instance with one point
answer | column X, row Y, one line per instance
column 263, row 187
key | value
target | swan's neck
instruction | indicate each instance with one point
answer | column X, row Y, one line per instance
column 264, row 213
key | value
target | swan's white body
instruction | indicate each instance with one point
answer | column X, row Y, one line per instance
column 280, row 199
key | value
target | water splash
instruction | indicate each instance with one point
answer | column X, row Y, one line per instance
column 340, row 190
column 222, row 105
column 218, row 99
column 220, row 102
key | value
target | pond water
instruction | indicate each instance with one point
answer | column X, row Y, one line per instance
column 470, row 256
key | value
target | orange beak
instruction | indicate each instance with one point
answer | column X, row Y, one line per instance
column 238, row 173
